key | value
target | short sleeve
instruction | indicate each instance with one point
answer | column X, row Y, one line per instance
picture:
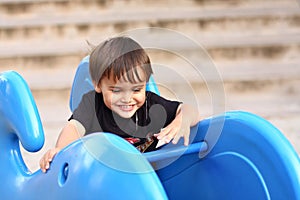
column 169, row 106
column 85, row 113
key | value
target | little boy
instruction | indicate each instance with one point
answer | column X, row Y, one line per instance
column 120, row 104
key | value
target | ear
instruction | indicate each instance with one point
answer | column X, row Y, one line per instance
column 97, row 87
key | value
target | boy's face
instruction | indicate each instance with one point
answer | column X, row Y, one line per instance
column 121, row 96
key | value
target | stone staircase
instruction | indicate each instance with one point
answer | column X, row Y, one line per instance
column 254, row 45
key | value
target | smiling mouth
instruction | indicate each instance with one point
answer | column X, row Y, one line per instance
column 126, row 108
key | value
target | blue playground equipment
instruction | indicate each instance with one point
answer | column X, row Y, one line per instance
column 251, row 159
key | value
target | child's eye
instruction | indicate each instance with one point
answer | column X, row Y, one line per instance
column 115, row 90
column 137, row 89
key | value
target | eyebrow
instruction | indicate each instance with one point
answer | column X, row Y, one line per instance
column 139, row 85
column 133, row 86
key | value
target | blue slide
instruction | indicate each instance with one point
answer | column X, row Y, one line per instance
column 250, row 160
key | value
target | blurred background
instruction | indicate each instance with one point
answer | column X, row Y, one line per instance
column 255, row 45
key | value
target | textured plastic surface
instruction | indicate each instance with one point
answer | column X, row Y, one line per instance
column 251, row 160
column 82, row 83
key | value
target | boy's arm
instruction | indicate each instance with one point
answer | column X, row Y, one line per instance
column 186, row 117
column 69, row 133
column 190, row 114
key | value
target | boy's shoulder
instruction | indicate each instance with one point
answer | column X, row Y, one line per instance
column 89, row 97
column 153, row 97
column 89, row 94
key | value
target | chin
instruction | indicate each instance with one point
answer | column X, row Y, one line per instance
column 126, row 115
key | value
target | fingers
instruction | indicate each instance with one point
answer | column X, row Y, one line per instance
column 182, row 133
column 47, row 159
column 186, row 138
column 44, row 162
column 166, row 134
column 176, row 138
column 174, row 134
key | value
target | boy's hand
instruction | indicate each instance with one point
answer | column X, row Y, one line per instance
column 173, row 134
column 175, row 130
column 47, row 159
column 186, row 117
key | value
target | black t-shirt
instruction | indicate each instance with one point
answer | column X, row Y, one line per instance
column 155, row 114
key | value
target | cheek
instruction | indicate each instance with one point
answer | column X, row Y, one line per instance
column 108, row 100
column 141, row 99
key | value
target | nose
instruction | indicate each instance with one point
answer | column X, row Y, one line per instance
column 127, row 97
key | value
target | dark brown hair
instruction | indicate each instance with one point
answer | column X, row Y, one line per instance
column 117, row 56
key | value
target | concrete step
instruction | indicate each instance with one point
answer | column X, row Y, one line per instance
column 17, row 2
column 57, row 78
column 22, row 7
column 146, row 14
column 59, row 47
column 54, row 73
column 189, row 20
